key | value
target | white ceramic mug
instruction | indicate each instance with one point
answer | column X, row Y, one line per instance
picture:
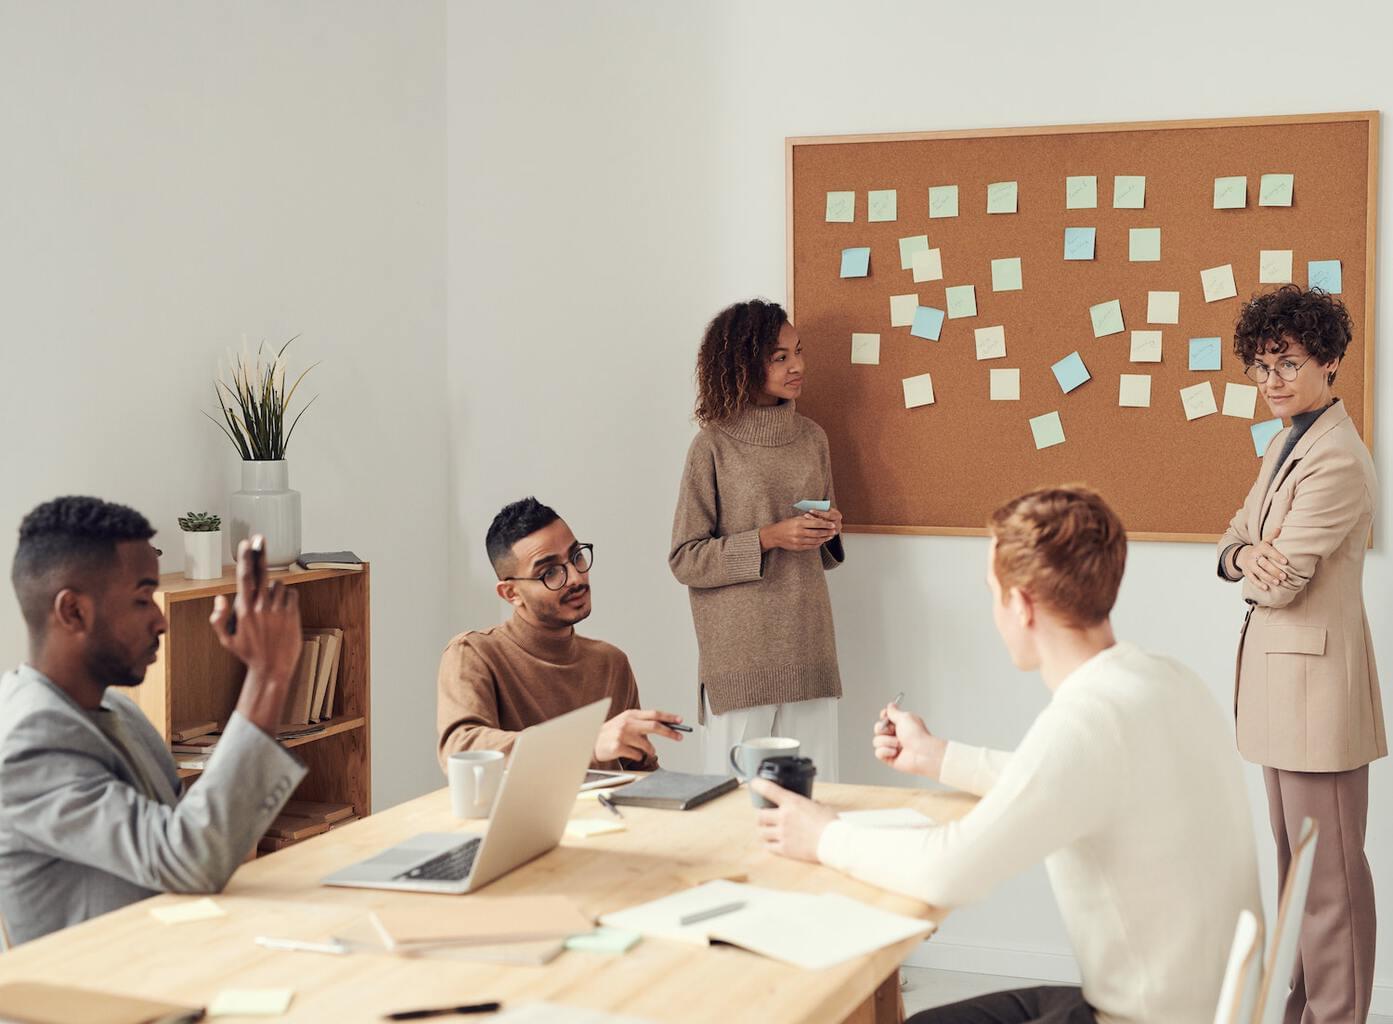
column 745, row 757
column 475, row 776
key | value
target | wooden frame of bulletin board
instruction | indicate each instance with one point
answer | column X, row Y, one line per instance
column 941, row 468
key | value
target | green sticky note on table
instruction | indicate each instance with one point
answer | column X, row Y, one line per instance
column 251, row 1002
column 1006, row 275
column 1047, row 430
column 1129, row 192
column 962, row 300
column 1001, row 197
column 1144, row 245
column 880, row 205
column 1324, row 274
column 1276, row 189
column 604, row 940
column 1106, row 317
column 1078, row 243
column 943, row 201
column 909, row 246
column 856, row 262
column 841, row 207
column 1230, row 193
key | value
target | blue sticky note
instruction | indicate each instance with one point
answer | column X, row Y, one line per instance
column 1263, row 433
column 1204, row 353
column 928, row 323
column 1078, row 243
column 856, row 262
column 1070, row 372
column 1324, row 274
column 812, row 505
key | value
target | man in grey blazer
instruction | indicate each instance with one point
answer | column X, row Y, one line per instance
column 91, row 815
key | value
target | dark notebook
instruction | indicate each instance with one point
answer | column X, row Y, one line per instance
column 674, row 791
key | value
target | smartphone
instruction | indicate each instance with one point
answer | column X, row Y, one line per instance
column 258, row 554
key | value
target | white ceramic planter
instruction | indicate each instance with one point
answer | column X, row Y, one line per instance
column 266, row 505
column 202, row 555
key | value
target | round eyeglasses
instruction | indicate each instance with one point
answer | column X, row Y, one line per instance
column 1286, row 369
column 555, row 577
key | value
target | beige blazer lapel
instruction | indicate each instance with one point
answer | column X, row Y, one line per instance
column 1326, row 422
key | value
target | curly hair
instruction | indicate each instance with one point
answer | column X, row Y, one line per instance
column 1271, row 322
column 730, row 365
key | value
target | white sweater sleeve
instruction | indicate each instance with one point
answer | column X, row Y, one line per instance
column 972, row 769
column 1056, row 787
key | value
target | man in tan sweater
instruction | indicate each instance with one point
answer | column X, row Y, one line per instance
column 494, row 683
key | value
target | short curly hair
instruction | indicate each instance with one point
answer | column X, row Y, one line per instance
column 1271, row 322
column 730, row 366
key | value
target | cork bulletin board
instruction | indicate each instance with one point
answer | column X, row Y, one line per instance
column 1172, row 470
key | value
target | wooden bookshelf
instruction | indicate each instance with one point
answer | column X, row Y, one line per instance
column 195, row 680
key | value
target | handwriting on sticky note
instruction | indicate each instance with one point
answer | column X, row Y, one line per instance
column 1198, row 400
column 880, row 205
column 1144, row 245
column 943, row 201
column 1047, row 430
column 918, row 390
column 1146, row 347
column 856, row 262
column 188, row 910
column 902, row 309
column 1106, row 317
column 1240, row 400
column 1134, row 390
column 841, row 207
column 1275, row 189
column 1274, row 266
column 1081, row 192
column 928, row 323
column 991, row 342
column 1001, row 197
column 1230, row 193
column 1218, row 283
column 962, row 301
column 1078, row 243
column 865, row 349
column 1006, row 275
column 251, row 1002
column 1129, row 192
column 927, row 265
column 1006, row 385
column 1163, row 307
column 909, row 246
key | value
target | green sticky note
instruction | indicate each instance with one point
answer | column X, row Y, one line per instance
column 1081, row 192
column 1144, row 245
column 1006, row 275
column 962, row 301
column 1001, row 197
column 1106, row 317
column 943, row 201
column 909, row 246
column 1276, row 189
column 1129, row 192
column 841, row 207
column 880, row 205
column 604, row 940
column 1047, row 430
column 1230, row 193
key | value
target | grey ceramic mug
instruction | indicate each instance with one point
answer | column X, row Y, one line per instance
column 745, row 757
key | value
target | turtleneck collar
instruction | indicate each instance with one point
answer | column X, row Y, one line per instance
column 767, row 425
column 544, row 647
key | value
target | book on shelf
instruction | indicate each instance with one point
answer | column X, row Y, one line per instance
column 329, row 560
column 193, row 730
column 330, row 642
column 315, row 810
column 302, row 684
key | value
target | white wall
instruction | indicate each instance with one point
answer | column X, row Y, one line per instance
column 177, row 175
column 617, row 176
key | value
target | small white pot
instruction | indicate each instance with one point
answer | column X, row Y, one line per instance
column 203, row 555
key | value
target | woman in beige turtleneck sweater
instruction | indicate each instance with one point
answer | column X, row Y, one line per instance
column 753, row 564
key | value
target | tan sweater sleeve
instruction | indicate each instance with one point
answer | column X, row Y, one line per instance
column 832, row 552
column 466, row 709
column 699, row 557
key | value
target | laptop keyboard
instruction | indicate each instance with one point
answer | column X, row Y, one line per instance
column 450, row 866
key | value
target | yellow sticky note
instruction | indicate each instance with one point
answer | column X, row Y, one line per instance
column 1198, row 400
column 909, row 246
column 1230, row 193
column 1274, row 266
column 1106, row 317
column 880, row 205
column 1163, row 307
column 1001, row 197
column 991, row 342
column 1218, row 283
column 1146, row 347
column 943, row 201
column 927, row 265
column 584, row 828
column 1275, row 189
column 189, row 910
column 1047, row 430
column 1144, row 245
column 251, row 1002
column 962, row 301
column 1134, row 390
column 918, row 391
column 865, row 348
column 1006, row 385
column 1129, row 192
column 1240, row 400
column 902, row 309
column 841, row 207
column 1006, row 275
column 1081, row 192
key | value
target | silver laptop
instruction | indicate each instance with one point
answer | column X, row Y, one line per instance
column 538, row 793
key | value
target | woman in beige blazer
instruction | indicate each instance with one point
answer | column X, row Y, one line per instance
column 1307, row 697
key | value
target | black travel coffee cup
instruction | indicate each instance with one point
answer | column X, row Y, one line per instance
column 794, row 774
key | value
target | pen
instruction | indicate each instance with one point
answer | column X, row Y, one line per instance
column 678, row 726
column 608, row 804
column 333, row 946
column 883, row 725
column 444, row 1011
column 710, row 912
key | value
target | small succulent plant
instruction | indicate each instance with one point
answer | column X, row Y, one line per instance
column 200, row 522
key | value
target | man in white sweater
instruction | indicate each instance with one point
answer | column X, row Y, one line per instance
column 1126, row 786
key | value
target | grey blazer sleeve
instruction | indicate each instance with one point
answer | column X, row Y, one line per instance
column 61, row 799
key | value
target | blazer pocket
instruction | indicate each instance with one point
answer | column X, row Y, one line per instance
column 1286, row 639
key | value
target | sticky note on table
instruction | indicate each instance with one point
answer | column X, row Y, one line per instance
column 1106, row 317
column 1163, row 307
column 1129, row 192
column 1204, row 353
column 943, row 201
column 1198, row 400
column 918, row 390
column 604, row 940
column 1274, row 266
column 962, row 301
column 880, row 205
column 841, row 207
column 1134, row 390
column 856, row 262
column 1146, row 347
column 1078, row 243
column 1081, row 192
column 1240, row 400
column 928, row 323
column 991, row 342
column 1218, row 283
column 1324, row 274
column 1047, row 430
column 1144, row 245
column 909, row 246
column 902, row 309
column 887, row 817
column 927, row 265
column 1001, row 197
column 584, row 828
column 1006, row 275
column 813, row 504
column 1275, row 189
column 1070, row 372
column 187, row 910
column 1006, row 385
column 1263, row 433
column 251, row 1002
column 1230, row 193
column 865, row 349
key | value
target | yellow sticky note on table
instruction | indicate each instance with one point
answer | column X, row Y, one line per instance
column 991, row 342
column 1134, row 390
column 1001, row 197
column 865, row 349
column 1006, row 385
column 1274, row 266
column 1276, row 189
column 251, row 1002
column 841, row 207
column 1230, row 193
column 1218, row 283
column 1129, row 192
column 962, row 301
column 1163, row 307
column 1047, row 430
column 902, row 309
column 918, row 390
column 1198, row 400
column 1006, row 275
column 927, row 265
column 1144, row 245
column 880, row 205
column 1106, row 317
column 1146, row 347
column 943, row 201
column 909, row 246
column 584, row 828
column 1081, row 192
column 1240, row 400
column 188, row 910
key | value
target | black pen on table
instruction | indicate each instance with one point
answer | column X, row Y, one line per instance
column 608, row 804
column 444, row 1011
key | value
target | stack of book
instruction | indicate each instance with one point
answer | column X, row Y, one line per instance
column 300, row 819
column 316, row 677
column 492, row 929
